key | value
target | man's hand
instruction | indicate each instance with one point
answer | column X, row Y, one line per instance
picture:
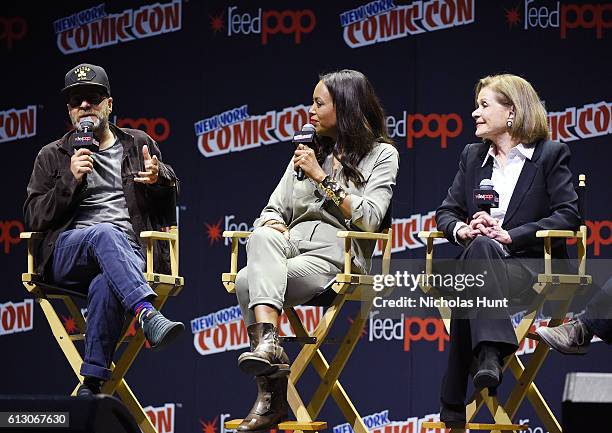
column 151, row 166
column 81, row 163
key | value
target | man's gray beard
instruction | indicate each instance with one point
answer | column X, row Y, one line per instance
column 101, row 127
column 97, row 130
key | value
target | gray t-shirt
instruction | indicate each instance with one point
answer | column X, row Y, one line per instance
column 103, row 199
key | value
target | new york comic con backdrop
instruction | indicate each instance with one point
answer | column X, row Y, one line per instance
column 177, row 68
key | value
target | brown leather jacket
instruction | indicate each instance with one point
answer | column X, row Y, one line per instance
column 54, row 194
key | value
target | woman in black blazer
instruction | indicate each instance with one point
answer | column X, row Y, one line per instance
column 534, row 183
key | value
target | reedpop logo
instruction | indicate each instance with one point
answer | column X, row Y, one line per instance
column 12, row 29
column 157, row 128
column 9, row 234
column 214, row 231
column 416, row 125
column 409, row 330
column 553, row 15
column 265, row 23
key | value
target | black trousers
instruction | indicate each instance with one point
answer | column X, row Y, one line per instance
column 504, row 277
column 598, row 315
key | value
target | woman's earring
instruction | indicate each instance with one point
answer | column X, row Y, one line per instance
column 509, row 123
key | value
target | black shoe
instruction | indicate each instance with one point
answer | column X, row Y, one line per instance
column 160, row 331
column 267, row 355
column 571, row 338
column 453, row 415
column 89, row 387
column 489, row 371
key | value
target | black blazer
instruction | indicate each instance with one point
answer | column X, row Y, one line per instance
column 544, row 197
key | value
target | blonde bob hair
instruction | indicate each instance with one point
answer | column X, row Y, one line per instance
column 529, row 124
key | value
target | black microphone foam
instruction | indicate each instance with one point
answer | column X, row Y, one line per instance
column 485, row 197
column 307, row 136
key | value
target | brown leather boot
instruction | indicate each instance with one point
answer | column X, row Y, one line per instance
column 270, row 407
column 267, row 355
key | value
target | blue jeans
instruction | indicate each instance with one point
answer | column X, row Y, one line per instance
column 100, row 262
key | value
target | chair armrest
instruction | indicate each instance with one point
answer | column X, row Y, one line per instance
column 349, row 235
column 31, row 235
column 581, row 238
column 236, row 234
column 229, row 278
column 429, row 238
column 557, row 234
column 172, row 238
column 362, row 235
column 159, row 236
column 432, row 234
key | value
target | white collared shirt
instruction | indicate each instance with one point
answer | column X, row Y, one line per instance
column 504, row 178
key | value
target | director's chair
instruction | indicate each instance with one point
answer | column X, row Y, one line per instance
column 550, row 286
column 164, row 286
column 346, row 287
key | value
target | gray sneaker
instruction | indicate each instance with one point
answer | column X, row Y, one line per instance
column 571, row 338
column 160, row 331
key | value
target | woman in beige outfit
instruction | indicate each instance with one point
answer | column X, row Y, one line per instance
column 293, row 253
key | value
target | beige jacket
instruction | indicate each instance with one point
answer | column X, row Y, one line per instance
column 313, row 220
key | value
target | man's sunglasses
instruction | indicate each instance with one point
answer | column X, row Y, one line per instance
column 94, row 98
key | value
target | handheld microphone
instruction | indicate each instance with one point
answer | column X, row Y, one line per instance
column 84, row 137
column 485, row 197
column 307, row 136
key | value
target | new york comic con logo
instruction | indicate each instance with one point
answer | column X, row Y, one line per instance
column 224, row 330
column 576, row 123
column 382, row 21
column 16, row 123
column 235, row 130
column 567, row 17
column 379, row 422
column 406, row 231
column 264, row 23
column 95, row 28
column 162, row 417
column 16, row 317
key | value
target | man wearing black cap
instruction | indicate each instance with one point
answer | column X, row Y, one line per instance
column 91, row 203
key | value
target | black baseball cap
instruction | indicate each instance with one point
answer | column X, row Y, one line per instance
column 86, row 75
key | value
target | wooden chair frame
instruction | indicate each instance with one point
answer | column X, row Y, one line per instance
column 549, row 287
column 164, row 285
column 348, row 287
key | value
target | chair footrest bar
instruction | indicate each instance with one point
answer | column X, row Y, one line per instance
column 310, row 340
column 303, row 340
column 479, row 426
column 533, row 336
column 286, row 425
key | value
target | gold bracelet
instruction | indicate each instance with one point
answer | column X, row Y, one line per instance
column 333, row 190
